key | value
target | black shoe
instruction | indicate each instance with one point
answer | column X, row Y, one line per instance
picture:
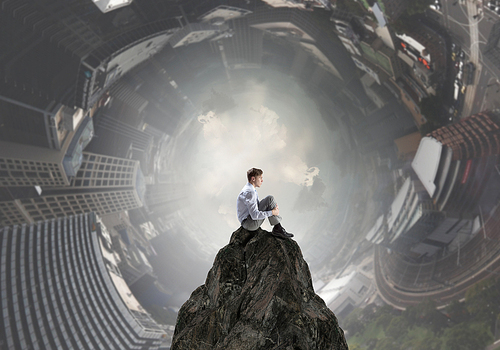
column 281, row 232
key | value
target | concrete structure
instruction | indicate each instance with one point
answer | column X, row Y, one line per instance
column 344, row 294
column 453, row 165
column 131, row 247
column 243, row 47
column 103, row 185
column 414, row 225
column 407, row 145
column 454, row 162
column 62, row 289
column 299, row 4
column 378, row 53
column 25, row 165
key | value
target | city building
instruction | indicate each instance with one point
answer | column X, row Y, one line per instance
column 103, row 185
column 380, row 128
column 453, row 166
column 27, row 165
column 299, row 4
column 294, row 26
column 344, row 294
column 243, row 47
column 375, row 51
column 131, row 247
column 407, row 145
column 455, row 162
column 62, row 289
column 119, row 139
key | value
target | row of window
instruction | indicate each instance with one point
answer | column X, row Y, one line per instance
column 69, row 295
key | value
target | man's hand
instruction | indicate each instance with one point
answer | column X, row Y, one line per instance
column 276, row 210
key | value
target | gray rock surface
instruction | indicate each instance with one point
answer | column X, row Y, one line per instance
column 258, row 295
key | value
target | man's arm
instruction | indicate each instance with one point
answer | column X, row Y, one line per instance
column 253, row 209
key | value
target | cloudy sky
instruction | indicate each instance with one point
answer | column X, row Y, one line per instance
column 274, row 126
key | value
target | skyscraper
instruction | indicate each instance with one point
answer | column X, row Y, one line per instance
column 28, row 165
column 454, row 162
column 103, row 184
column 61, row 289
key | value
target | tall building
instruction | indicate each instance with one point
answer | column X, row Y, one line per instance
column 455, row 162
column 454, row 165
column 61, row 289
column 27, row 165
column 103, row 185
column 243, row 49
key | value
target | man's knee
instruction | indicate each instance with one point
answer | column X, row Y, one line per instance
column 268, row 203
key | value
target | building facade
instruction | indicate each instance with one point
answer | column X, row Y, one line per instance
column 61, row 289
column 103, row 185
column 26, row 165
column 455, row 162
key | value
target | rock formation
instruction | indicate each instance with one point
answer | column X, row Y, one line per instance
column 258, row 295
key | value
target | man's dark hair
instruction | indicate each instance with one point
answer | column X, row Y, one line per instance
column 253, row 172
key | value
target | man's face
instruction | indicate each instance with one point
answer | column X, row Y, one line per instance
column 257, row 180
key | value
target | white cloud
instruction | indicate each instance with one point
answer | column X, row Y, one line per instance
column 213, row 129
column 295, row 170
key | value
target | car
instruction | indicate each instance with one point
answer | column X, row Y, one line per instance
column 462, row 54
column 463, row 89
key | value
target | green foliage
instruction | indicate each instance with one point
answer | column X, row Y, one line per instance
column 419, row 338
column 457, row 311
column 387, row 343
column 397, row 328
column 482, row 301
column 418, row 6
column 461, row 325
column 354, row 322
column 354, row 7
column 466, row 337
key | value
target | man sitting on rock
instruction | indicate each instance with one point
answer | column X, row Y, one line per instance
column 252, row 212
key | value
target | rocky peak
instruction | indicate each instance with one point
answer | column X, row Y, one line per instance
column 257, row 295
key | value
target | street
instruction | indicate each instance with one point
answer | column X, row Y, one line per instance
column 470, row 24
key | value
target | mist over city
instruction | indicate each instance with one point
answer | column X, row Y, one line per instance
column 126, row 132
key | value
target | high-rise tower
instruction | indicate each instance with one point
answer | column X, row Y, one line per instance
column 103, row 184
column 62, row 289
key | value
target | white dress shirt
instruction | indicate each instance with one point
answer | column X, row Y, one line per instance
column 248, row 204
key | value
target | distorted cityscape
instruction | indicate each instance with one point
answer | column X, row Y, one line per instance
column 127, row 128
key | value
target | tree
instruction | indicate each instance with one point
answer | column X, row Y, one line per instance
column 482, row 301
column 387, row 343
column 397, row 328
column 457, row 311
column 354, row 323
column 466, row 337
column 418, row 6
column 422, row 341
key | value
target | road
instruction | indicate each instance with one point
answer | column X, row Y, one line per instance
column 469, row 25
